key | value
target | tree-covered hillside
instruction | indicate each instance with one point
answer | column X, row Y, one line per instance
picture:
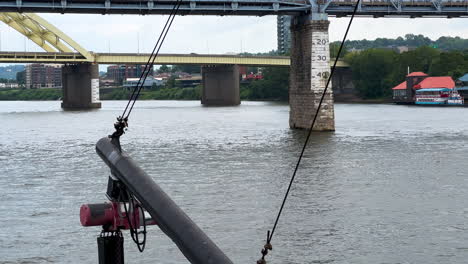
column 411, row 41
column 376, row 71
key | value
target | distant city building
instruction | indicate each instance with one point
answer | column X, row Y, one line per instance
column 149, row 82
column 188, row 80
column 355, row 50
column 120, row 73
column 9, row 85
column 463, row 81
column 43, row 76
column 107, row 82
column 462, row 86
column 163, row 76
column 284, row 33
column 402, row 49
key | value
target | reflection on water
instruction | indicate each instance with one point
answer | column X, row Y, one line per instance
column 388, row 186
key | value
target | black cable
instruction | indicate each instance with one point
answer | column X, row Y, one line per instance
column 154, row 58
column 150, row 61
column 133, row 229
column 270, row 234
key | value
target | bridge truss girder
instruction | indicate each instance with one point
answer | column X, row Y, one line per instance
column 395, row 8
column 44, row 34
column 377, row 8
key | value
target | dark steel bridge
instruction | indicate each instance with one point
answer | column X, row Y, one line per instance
column 338, row 8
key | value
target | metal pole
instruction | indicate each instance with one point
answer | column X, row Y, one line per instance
column 191, row 240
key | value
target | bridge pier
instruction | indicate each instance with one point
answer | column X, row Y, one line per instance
column 220, row 85
column 310, row 68
column 80, row 84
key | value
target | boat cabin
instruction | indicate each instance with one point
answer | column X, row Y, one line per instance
column 432, row 96
column 438, row 96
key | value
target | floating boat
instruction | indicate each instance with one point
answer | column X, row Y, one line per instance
column 438, row 96
column 421, row 89
column 455, row 99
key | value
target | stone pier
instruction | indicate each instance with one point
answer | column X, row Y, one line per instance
column 310, row 68
column 80, row 86
column 220, row 85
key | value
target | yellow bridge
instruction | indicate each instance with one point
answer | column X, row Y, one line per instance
column 60, row 48
column 133, row 58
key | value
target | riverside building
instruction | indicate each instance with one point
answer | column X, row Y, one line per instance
column 43, row 76
column 120, row 73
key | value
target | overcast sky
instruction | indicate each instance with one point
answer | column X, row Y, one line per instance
column 214, row 35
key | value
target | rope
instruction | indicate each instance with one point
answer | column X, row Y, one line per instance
column 122, row 121
column 270, row 234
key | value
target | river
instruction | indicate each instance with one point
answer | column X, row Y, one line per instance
column 389, row 186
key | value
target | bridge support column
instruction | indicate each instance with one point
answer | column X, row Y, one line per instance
column 80, row 84
column 310, row 68
column 220, row 85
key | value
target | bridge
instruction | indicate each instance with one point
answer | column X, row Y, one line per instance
column 310, row 54
column 142, row 58
column 339, row 8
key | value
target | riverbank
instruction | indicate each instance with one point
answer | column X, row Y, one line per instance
column 46, row 94
column 189, row 93
column 353, row 99
column 52, row 94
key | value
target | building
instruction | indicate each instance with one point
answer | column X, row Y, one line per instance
column 405, row 92
column 107, row 82
column 283, row 25
column 120, row 73
column 9, row 85
column 462, row 86
column 190, row 81
column 43, row 76
column 149, row 82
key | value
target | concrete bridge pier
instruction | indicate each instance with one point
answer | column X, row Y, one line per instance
column 220, row 85
column 310, row 68
column 80, row 84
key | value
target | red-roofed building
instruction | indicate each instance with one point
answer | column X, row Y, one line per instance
column 405, row 91
column 436, row 82
column 416, row 74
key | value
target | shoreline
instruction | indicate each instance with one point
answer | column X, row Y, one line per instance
column 54, row 94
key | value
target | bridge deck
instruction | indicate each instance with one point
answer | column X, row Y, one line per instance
column 131, row 58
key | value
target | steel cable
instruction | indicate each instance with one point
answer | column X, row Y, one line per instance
column 149, row 64
column 270, row 234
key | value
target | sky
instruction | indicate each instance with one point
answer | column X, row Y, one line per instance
column 214, row 34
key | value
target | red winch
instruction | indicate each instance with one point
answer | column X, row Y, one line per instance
column 123, row 211
column 114, row 216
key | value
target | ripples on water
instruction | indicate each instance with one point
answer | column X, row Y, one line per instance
column 389, row 186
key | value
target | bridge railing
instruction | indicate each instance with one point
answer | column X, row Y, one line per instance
column 403, row 2
column 49, row 57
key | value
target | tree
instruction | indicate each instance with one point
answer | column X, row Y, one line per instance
column 421, row 59
column 335, row 47
column 21, row 77
column 171, row 82
column 163, row 69
column 188, row 68
column 452, row 63
column 274, row 85
column 372, row 72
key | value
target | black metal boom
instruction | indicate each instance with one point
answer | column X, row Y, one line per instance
column 197, row 247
